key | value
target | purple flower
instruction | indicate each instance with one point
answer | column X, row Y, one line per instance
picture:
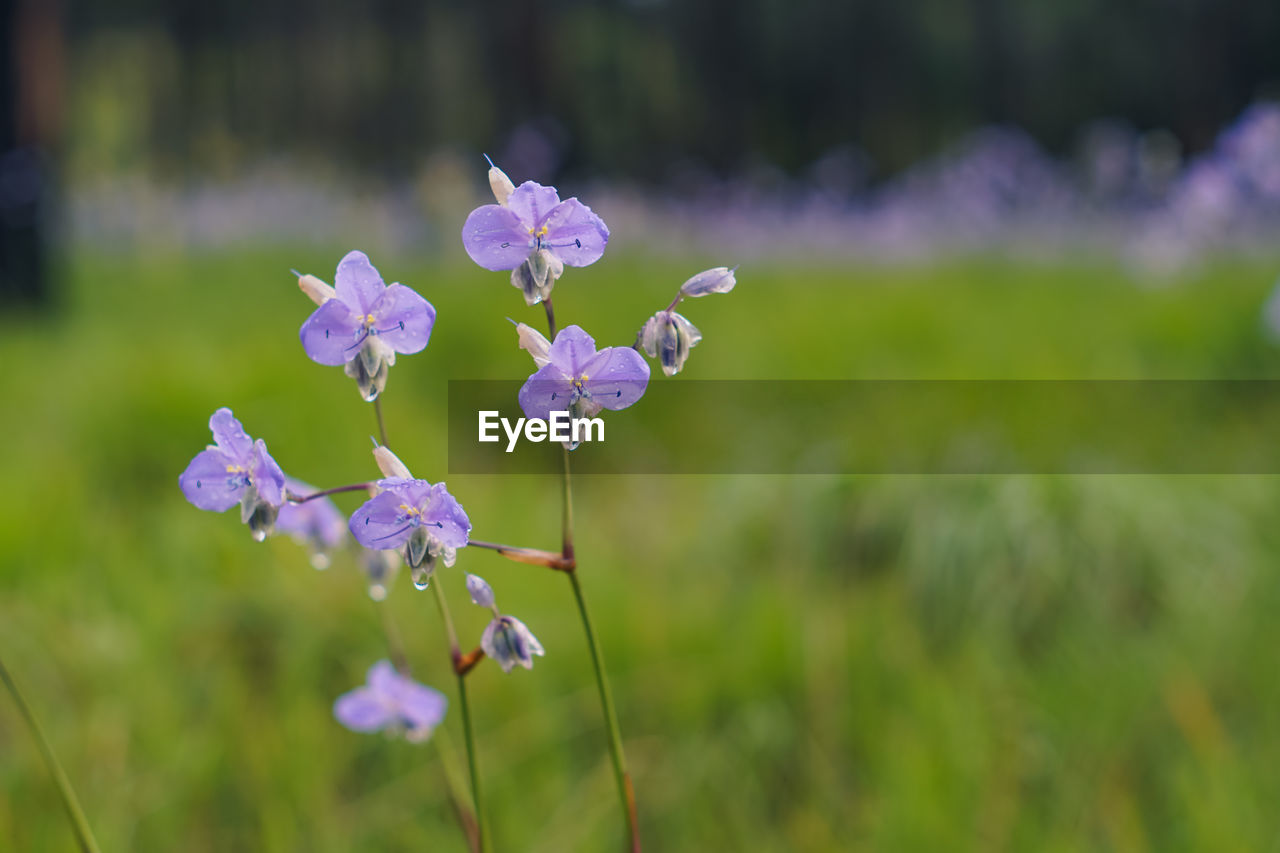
column 391, row 701
column 422, row 519
column 505, row 639
column 365, row 324
column 317, row 524
column 235, row 469
column 582, row 381
column 534, row 234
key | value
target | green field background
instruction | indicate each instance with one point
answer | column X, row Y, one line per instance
column 800, row 663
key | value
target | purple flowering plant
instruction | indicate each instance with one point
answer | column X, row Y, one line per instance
column 361, row 324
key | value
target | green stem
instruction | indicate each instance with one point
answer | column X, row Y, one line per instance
column 382, row 427
column 482, row 828
column 551, row 317
column 455, row 654
column 479, row 840
column 79, row 824
column 626, row 793
column 444, row 746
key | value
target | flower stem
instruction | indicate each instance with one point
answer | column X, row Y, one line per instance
column 444, row 746
column 480, row 839
column 382, row 427
column 79, row 824
column 551, row 317
column 626, row 792
column 323, row 493
column 455, row 656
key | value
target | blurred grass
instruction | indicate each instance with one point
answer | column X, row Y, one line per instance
column 800, row 664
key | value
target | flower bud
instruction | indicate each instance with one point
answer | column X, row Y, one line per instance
column 509, row 642
column 533, row 342
column 714, row 280
column 389, row 464
column 668, row 337
column 537, row 275
column 481, row 592
column 500, row 184
column 315, row 289
column 258, row 514
column 369, row 369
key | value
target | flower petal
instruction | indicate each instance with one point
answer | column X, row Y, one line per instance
column 546, row 391
column 380, row 523
column 208, row 484
column 532, row 202
column 572, row 349
column 267, row 476
column 617, row 377
column 495, row 239
column 358, row 283
column 384, row 680
column 575, row 234
column 421, row 707
column 404, row 319
column 447, row 518
column 362, row 710
column 230, row 436
column 330, row 334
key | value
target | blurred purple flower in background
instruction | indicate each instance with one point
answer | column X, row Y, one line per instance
column 582, row 381
column 391, row 702
column 534, row 234
column 235, row 470
column 422, row 519
column 317, row 524
column 365, row 323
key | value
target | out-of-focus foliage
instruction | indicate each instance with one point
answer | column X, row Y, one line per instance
column 635, row 88
column 800, row 664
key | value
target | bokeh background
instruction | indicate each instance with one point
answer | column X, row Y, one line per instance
column 984, row 189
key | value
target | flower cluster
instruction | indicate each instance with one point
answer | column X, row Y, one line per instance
column 362, row 324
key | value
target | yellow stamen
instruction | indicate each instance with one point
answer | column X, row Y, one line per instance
column 369, row 318
column 235, row 469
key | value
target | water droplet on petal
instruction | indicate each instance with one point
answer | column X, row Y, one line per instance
column 421, row 578
column 259, row 534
